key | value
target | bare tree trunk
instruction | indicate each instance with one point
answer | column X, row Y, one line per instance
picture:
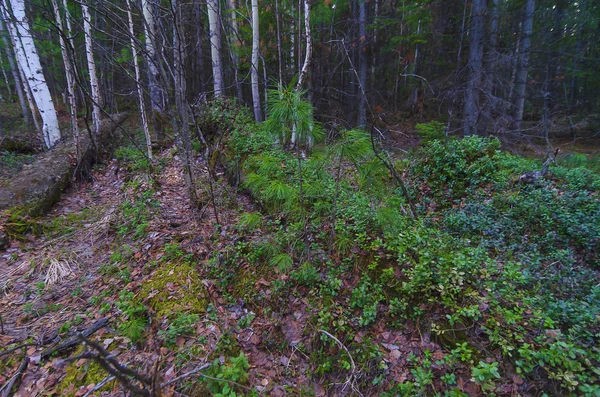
column 308, row 58
column 279, row 55
column 70, row 76
column 490, row 66
column 362, row 64
column 523, row 65
column 154, row 79
column 138, row 82
column 254, row 71
column 29, row 61
column 235, row 47
column 89, row 52
column 182, row 130
column 16, row 74
column 215, row 46
column 471, row 108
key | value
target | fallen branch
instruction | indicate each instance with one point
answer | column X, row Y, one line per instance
column 352, row 378
column 75, row 340
column 100, row 385
column 16, row 379
column 12, row 349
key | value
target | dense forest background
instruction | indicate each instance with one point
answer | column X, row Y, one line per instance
column 482, row 67
column 335, row 198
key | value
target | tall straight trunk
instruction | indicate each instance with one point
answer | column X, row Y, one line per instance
column 182, row 130
column 254, row 70
column 70, row 75
column 138, row 82
column 200, row 70
column 234, row 42
column 471, row 108
column 29, row 62
column 523, row 65
column 490, row 65
column 279, row 54
column 304, row 72
column 15, row 72
column 362, row 64
column 154, row 79
column 215, row 46
column 89, row 52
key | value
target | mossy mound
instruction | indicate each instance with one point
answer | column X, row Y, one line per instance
column 174, row 288
column 77, row 376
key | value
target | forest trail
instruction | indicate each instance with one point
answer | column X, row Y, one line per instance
column 64, row 279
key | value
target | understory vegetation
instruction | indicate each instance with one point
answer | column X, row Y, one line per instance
column 501, row 275
column 480, row 285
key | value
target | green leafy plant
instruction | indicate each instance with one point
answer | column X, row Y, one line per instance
column 184, row 324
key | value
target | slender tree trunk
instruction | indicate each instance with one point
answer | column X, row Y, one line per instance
column 29, row 61
column 182, row 130
column 362, row 64
column 279, row 54
column 94, row 84
column 154, row 78
column 16, row 74
column 254, row 71
column 523, row 65
column 235, row 48
column 215, row 46
column 138, row 82
column 70, row 76
column 471, row 108
column 308, row 57
column 490, row 66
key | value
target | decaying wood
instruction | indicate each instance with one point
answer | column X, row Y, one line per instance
column 38, row 186
column 75, row 340
column 534, row 176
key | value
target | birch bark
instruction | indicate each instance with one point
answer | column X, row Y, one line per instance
column 69, row 74
column 29, row 62
column 215, row 46
column 16, row 75
column 154, row 82
column 138, row 83
column 89, row 52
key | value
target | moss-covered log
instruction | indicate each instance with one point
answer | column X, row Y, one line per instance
column 37, row 187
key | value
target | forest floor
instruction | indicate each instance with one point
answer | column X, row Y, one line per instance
column 71, row 275
column 253, row 297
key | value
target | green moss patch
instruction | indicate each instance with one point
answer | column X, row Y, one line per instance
column 174, row 288
column 82, row 375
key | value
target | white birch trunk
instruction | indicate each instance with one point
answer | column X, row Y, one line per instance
column 16, row 74
column 156, row 93
column 69, row 74
column 29, row 62
column 308, row 57
column 89, row 52
column 215, row 46
column 254, row 70
column 138, row 82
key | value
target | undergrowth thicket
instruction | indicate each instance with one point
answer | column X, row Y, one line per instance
column 503, row 275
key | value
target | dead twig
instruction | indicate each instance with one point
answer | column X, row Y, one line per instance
column 12, row 349
column 16, row 378
column 351, row 380
column 73, row 341
column 100, row 385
